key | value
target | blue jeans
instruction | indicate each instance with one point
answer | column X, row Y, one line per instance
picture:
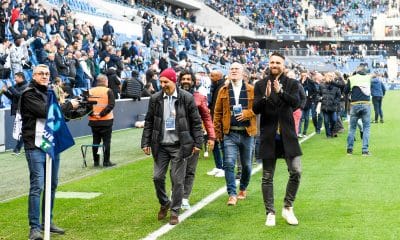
column 37, row 169
column 18, row 146
column 305, row 116
column 235, row 143
column 316, row 118
column 218, row 156
column 330, row 119
column 377, row 102
column 363, row 112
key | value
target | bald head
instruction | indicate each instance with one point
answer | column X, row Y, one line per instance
column 102, row 80
column 215, row 75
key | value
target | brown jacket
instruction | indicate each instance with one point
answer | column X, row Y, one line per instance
column 222, row 112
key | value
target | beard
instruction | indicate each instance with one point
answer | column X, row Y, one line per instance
column 186, row 86
column 275, row 72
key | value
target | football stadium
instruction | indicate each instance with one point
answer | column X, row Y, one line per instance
column 199, row 119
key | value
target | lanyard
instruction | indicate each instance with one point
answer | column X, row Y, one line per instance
column 171, row 106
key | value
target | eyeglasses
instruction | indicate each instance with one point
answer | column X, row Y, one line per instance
column 43, row 73
column 186, row 78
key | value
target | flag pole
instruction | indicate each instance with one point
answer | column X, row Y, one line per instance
column 47, row 198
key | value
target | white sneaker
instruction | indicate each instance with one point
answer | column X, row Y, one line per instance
column 206, row 154
column 270, row 220
column 288, row 215
column 185, row 204
column 213, row 172
column 220, row 173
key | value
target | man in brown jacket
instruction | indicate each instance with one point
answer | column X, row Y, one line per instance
column 235, row 124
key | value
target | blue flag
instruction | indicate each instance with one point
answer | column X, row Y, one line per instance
column 56, row 137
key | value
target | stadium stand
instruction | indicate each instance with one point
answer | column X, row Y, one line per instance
column 148, row 34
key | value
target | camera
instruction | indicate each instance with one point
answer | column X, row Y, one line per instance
column 85, row 106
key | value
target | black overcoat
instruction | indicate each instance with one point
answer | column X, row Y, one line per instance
column 273, row 109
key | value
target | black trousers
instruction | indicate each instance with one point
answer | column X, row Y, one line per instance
column 102, row 133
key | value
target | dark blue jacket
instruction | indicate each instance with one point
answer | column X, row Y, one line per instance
column 377, row 88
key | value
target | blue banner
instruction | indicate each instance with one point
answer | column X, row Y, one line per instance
column 56, row 137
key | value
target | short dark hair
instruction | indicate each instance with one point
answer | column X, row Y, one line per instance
column 278, row 55
column 21, row 75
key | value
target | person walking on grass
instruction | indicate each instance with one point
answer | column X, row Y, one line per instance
column 217, row 81
column 359, row 87
column 172, row 134
column 378, row 91
column 235, row 124
column 275, row 98
column 187, row 82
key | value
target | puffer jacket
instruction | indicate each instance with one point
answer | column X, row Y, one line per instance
column 330, row 97
column 187, row 122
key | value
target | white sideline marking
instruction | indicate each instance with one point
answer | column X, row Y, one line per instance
column 202, row 203
column 81, row 195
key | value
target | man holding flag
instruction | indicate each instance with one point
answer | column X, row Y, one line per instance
column 43, row 132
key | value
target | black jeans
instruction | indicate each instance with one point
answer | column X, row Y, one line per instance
column 377, row 102
column 102, row 133
column 267, row 185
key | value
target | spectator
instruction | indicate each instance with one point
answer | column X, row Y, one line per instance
column 132, row 87
column 114, row 82
column 14, row 93
column 378, row 91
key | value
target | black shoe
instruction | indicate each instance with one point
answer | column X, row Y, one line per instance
column 55, row 229
column 382, row 121
column 366, row 153
column 109, row 164
column 35, row 234
column 349, row 151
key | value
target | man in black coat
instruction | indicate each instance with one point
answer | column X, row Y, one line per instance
column 14, row 94
column 132, row 87
column 275, row 99
column 172, row 133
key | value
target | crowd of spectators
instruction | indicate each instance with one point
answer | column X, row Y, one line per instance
column 281, row 17
column 265, row 17
column 76, row 53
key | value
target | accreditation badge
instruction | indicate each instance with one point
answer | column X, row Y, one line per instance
column 170, row 124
